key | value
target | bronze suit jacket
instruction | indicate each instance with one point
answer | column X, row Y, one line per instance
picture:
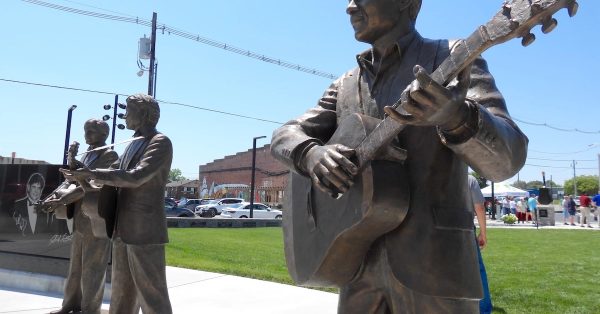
column 141, row 174
column 92, row 160
column 433, row 250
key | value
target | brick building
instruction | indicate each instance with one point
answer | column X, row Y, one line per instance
column 184, row 188
column 234, row 174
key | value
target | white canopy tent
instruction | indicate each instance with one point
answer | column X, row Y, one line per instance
column 503, row 189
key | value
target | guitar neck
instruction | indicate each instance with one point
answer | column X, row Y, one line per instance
column 462, row 54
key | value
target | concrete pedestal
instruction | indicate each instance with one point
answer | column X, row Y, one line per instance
column 545, row 215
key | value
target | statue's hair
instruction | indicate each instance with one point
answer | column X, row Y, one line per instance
column 36, row 178
column 414, row 6
column 148, row 104
column 98, row 125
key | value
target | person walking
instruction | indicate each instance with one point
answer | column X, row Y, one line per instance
column 572, row 208
column 533, row 203
column 596, row 201
column 485, row 304
column 565, row 208
column 584, row 208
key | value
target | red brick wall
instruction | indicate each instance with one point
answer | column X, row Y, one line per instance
column 238, row 169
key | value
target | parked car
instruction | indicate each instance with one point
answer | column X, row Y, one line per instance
column 174, row 211
column 242, row 210
column 189, row 203
column 215, row 207
column 170, row 201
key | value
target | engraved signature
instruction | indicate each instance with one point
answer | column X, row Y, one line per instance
column 60, row 238
column 20, row 222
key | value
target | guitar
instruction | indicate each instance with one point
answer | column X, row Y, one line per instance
column 327, row 238
column 95, row 200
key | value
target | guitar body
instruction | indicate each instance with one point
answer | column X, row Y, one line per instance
column 99, row 206
column 327, row 239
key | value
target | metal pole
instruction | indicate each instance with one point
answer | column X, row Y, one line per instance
column 493, row 202
column 253, row 172
column 152, row 55
column 155, row 74
column 574, row 180
column 68, row 133
column 114, row 127
column 598, row 184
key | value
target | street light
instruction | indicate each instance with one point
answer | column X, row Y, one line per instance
column 68, row 133
column 253, row 171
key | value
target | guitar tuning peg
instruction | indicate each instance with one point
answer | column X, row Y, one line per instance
column 528, row 39
column 549, row 25
column 506, row 8
column 572, row 9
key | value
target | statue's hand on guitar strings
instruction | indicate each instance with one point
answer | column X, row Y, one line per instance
column 330, row 168
column 49, row 204
column 77, row 175
column 431, row 104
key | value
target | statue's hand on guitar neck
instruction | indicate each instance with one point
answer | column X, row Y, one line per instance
column 330, row 168
column 49, row 204
column 431, row 104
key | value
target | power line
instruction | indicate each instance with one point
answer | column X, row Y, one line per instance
column 171, row 30
column 564, row 153
column 556, row 128
column 125, row 95
column 223, row 112
column 561, row 159
column 555, row 167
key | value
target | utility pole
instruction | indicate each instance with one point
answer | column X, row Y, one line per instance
column 574, row 180
column 151, row 77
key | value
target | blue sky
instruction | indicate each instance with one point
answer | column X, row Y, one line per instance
column 552, row 81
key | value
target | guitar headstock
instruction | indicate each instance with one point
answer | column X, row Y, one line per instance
column 517, row 17
column 71, row 153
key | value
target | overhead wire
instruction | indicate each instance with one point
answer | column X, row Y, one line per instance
column 244, row 52
column 125, row 95
column 576, row 130
column 191, row 36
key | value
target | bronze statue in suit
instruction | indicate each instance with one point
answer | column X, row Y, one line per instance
column 140, row 174
column 428, row 264
column 84, row 287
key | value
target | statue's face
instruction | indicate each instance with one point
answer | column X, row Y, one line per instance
column 134, row 117
column 372, row 19
column 93, row 136
column 34, row 191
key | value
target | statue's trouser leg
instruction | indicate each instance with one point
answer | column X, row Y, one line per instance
column 123, row 297
column 72, row 297
column 94, row 260
column 147, row 279
column 375, row 290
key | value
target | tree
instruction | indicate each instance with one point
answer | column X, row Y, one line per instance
column 175, row 175
column 535, row 184
column 520, row 184
column 480, row 180
column 588, row 184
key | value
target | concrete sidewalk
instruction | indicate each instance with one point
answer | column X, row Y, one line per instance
column 192, row 291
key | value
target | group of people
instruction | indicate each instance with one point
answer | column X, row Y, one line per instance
column 522, row 207
column 585, row 205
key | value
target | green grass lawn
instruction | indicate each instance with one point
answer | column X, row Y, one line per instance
column 530, row 271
